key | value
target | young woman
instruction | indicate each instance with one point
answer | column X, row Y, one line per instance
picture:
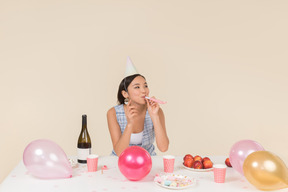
column 136, row 120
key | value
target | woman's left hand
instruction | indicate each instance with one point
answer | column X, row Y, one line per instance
column 153, row 107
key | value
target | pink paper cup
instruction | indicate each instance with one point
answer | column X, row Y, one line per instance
column 92, row 163
column 168, row 161
column 219, row 173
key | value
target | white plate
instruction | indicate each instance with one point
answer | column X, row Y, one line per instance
column 178, row 178
column 197, row 170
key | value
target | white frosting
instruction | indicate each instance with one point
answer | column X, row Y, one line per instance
column 136, row 138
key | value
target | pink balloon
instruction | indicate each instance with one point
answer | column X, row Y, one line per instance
column 240, row 151
column 46, row 160
column 135, row 163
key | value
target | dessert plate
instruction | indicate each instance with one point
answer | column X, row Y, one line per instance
column 173, row 181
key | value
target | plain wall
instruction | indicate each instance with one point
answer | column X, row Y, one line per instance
column 221, row 65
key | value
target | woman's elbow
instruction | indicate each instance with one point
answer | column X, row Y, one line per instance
column 164, row 148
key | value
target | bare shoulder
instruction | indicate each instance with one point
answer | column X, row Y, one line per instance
column 111, row 112
column 111, row 117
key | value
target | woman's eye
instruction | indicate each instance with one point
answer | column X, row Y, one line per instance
column 137, row 87
column 146, row 86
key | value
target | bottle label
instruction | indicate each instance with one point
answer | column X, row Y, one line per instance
column 83, row 153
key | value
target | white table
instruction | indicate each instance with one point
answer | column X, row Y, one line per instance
column 112, row 180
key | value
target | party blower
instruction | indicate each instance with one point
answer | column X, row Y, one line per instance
column 156, row 100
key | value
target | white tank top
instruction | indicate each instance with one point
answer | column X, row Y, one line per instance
column 136, row 138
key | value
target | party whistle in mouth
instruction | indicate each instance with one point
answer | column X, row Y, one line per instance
column 156, row 100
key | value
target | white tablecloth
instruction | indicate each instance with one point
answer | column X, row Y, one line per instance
column 112, row 180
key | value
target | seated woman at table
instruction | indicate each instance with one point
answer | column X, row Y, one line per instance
column 136, row 121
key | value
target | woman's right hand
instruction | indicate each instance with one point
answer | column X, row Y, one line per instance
column 132, row 113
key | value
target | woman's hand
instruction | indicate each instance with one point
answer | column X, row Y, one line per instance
column 153, row 107
column 132, row 114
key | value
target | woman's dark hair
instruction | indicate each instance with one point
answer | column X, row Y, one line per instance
column 124, row 86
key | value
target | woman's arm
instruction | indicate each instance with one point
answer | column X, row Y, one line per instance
column 121, row 141
column 158, row 119
column 162, row 140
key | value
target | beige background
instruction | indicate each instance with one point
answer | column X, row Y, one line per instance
column 221, row 65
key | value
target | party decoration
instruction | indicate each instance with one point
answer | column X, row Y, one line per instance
column 135, row 163
column 130, row 68
column 240, row 151
column 266, row 171
column 46, row 160
column 156, row 100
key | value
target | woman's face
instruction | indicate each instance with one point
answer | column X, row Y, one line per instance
column 137, row 90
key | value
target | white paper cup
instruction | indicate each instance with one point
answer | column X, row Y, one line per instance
column 219, row 173
column 168, row 161
column 92, row 162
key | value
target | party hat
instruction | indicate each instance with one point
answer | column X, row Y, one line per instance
column 130, row 68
